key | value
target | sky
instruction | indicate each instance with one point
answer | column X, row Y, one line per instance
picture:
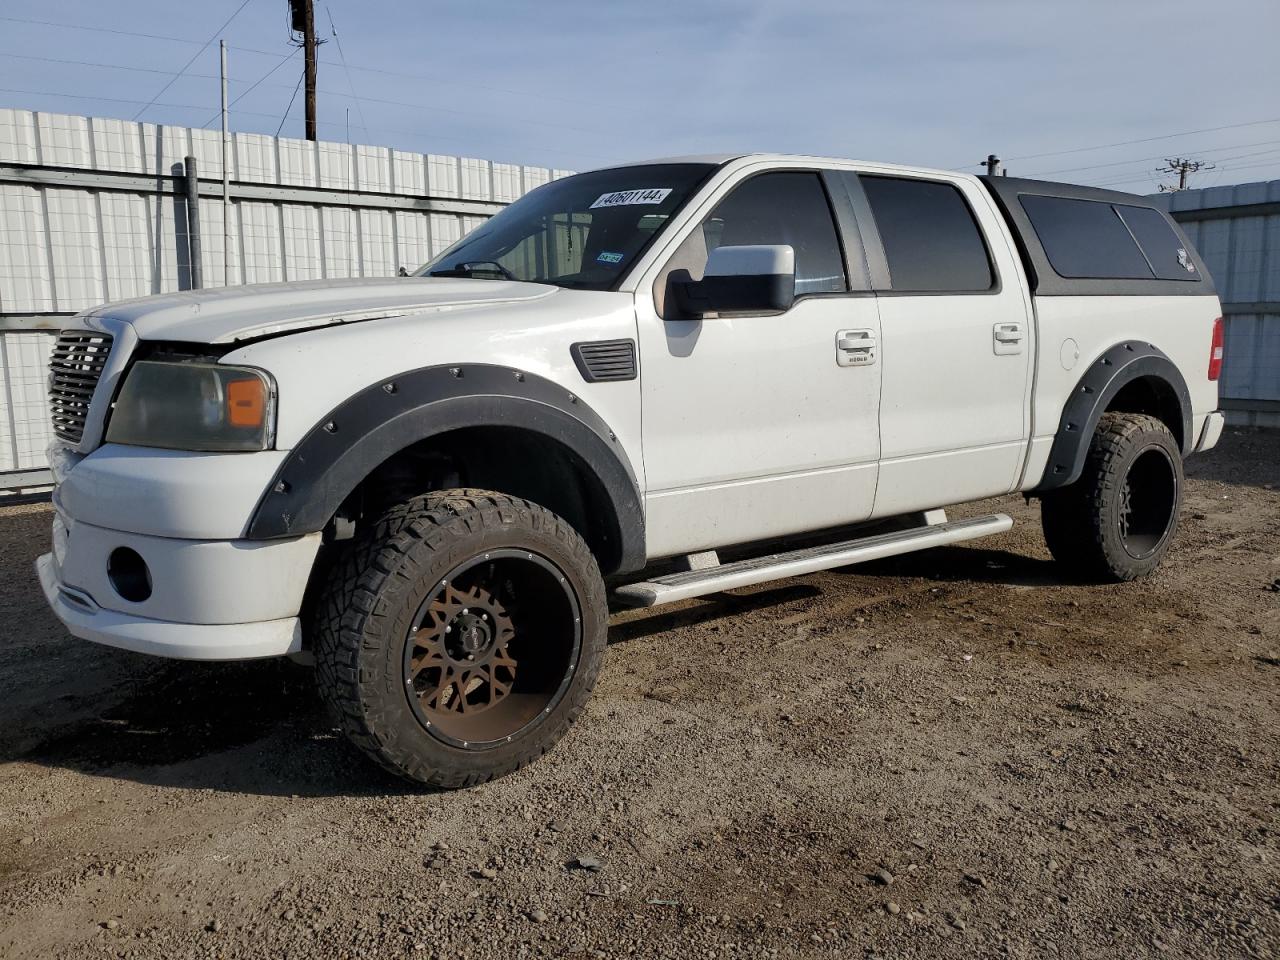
column 1085, row 91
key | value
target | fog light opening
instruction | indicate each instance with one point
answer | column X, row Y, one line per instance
column 129, row 575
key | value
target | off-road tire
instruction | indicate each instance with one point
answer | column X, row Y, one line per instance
column 1083, row 522
column 373, row 588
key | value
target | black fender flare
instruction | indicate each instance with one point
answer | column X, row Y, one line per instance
column 369, row 427
column 1105, row 377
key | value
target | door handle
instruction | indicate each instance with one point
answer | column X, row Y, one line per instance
column 855, row 348
column 857, row 343
column 1007, row 338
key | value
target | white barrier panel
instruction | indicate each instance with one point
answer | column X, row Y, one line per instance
column 90, row 211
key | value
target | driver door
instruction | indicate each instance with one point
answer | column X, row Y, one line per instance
column 761, row 426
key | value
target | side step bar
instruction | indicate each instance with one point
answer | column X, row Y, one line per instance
column 744, row 573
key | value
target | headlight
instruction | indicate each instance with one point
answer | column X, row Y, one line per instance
column 194, row 406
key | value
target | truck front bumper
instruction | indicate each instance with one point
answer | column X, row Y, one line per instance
column 207, row 599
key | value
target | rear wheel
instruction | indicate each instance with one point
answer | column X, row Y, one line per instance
column 460, row 636
column 1118, row 520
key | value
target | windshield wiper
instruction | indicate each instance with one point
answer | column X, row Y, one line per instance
column 467, row 269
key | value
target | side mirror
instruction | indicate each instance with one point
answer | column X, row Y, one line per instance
column 744, row 279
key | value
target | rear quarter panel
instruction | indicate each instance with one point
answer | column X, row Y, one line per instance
column 1075, row 331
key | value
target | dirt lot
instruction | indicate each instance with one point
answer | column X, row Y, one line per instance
column 950, row 754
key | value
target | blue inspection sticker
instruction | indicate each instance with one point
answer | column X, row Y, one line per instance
column 607, row 257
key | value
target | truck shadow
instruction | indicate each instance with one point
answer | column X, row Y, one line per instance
column 255, row 728
column 967, row 563
column 640, row 623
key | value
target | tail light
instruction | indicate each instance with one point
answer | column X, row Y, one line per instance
column 1215, row 351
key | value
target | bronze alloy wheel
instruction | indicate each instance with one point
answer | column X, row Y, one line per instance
column 458, row 634
column 492, row 649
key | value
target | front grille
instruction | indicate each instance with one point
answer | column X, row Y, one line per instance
column 74, row 369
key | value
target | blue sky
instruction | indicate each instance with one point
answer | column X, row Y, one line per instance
column 577, row 85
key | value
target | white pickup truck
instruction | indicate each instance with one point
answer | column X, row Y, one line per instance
column 641, row 384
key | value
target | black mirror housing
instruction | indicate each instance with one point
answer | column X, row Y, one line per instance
column 739, row 279
column 737, row 294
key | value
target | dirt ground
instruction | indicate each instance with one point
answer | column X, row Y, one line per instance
column 950, row 754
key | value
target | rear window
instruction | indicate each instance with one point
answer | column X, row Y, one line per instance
column 1169, row 258
column 930, row 238
column 1092, row 239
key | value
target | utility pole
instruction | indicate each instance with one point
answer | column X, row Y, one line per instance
column 992, row 163
column 1182, row 168
column 302, row 20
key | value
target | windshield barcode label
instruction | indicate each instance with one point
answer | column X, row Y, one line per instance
column 624, row 198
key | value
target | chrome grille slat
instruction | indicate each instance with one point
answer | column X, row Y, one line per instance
column 72, row 389
column 75, row 366
column 77, row 373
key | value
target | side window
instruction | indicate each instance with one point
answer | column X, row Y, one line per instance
column 930, row 238
column 1085, row 239
column 788, row 208
column 1165, row 250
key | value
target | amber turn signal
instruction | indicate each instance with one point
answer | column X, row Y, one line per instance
column 246, row 402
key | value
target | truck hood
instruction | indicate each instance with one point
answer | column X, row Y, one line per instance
column 231, row 314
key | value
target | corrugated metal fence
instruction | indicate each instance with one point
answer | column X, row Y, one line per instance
column 1237, row 231
column 92, row 210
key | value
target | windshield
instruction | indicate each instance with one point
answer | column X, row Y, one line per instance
column 583, row 231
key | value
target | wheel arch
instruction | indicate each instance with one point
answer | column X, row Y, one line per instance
column 444, row 412
column 1130, row 377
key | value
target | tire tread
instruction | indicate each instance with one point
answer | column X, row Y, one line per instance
column 349, row 608
column 1073, row 518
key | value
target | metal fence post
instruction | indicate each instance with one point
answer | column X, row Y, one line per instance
column 192, row 191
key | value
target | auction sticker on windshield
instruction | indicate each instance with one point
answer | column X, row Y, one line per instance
column 624, row 198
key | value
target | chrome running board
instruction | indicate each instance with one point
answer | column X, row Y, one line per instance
column 777, row 566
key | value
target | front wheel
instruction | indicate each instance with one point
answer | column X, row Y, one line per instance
column 1118, row 520
column 460, row 636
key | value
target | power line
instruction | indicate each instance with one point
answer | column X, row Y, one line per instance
column 1252, row 166
column 1151, row 177
column 1122, row 163
column 274, row 53
column 296, row 88
column 81, row 26
column 105, row 66
column 1126, row 143
column 428, row 78
column 173, row 80
column 285, row 86
column 343, row 57
column 251, row 88
column 94, row 97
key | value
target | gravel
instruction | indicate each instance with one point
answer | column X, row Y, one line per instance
column 211, row 811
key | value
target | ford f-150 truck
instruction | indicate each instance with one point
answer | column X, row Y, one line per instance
column 632, row 386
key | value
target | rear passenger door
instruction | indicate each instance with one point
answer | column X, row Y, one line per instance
column 956, row 341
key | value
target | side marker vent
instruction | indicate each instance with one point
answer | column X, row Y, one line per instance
column 601, row 361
